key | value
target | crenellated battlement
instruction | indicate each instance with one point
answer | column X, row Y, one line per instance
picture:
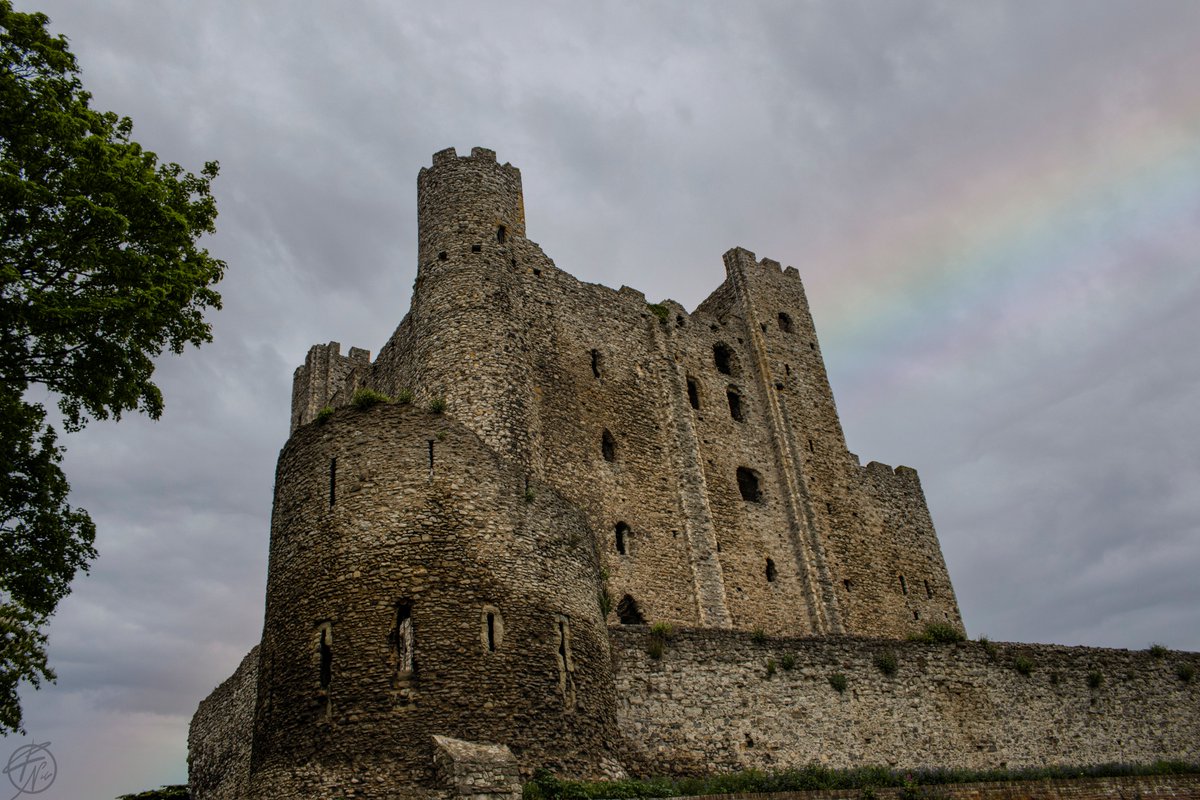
column 324, row 372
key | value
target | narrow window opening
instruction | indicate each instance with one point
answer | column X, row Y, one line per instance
column 771, row 573
column 476, row 248
column 735, row 404
column 622, row 532
column 903, row 585
column 332, row 481
column 501, row 234
column 326, row 656
column 629, row 613
column 431, row 455
column 763, row 326
column 748, row 485
column 402, row 639
column 491, row 629
column 597, row 362
column 442, row 256
column 829, row 507
column 537, row 271
column 785, row 322
column 724, row 359
column 812, row 345
column 846, row 583
column 693, row 393
column 787, row 369
column 916, row 615
column 811, row 448
column 566, row 665
column 679, row 320
column 928, row 590
column 608, row 446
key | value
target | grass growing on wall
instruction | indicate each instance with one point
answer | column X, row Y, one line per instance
column 545, row 786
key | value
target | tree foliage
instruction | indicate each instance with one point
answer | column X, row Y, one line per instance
column 99, row 274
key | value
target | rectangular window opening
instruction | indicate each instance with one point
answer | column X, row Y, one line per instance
column 332, row 481
column 402, row 639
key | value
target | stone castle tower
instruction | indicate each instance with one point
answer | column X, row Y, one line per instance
column 592, row 464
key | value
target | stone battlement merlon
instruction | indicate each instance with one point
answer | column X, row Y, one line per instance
column 324, row 372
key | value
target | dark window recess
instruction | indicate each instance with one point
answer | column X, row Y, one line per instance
column 903, row 585
column 735, row 404
column 431, row 455
column 537, row 271
column 622, row 540
column 442, row 256
column 332, row 481
column 846, row 582
column 916, row 615
column 829, row 507
column 476, row 248
column 608, row 446
column 785, row 322
column 724, row 358
column 629, row 613
column 771, row 573
column 402, row 638
column 326, row 650
column 678, row 321
column 928, row 590
column 787, row 369
column 811, row 448
column 812, row 345
column 597, row 363
column 501, row 234
column 779, row 385
column 693, row 393
column 747, row 480
column 491, row 618
column 764, row 327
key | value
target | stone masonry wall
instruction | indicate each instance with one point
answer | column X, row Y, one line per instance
column 220, row 733
column 710, row 704
column 417, row 586
column 643, row 418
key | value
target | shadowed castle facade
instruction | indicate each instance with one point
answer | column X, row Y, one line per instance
column 470, row 572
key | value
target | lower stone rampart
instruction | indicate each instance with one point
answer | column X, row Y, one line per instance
column 723, row 700
column 220, row 733
column 1174, row 787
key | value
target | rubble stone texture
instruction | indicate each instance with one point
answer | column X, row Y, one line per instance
column 476, row 564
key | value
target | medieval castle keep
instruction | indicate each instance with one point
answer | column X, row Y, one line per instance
column 461, row 587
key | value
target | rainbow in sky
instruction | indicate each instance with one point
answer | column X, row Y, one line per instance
column 1041, row 251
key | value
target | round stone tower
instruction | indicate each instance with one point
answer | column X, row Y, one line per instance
column 417, row 587
column 469, row 348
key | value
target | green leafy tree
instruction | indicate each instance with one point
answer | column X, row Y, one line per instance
column 99, row 274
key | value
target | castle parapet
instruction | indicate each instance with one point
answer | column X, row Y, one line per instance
column 324, row 371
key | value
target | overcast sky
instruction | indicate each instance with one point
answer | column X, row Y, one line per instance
column 995, row 208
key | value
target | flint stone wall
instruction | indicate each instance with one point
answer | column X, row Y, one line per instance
column 220, row 733
column 709, row 704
